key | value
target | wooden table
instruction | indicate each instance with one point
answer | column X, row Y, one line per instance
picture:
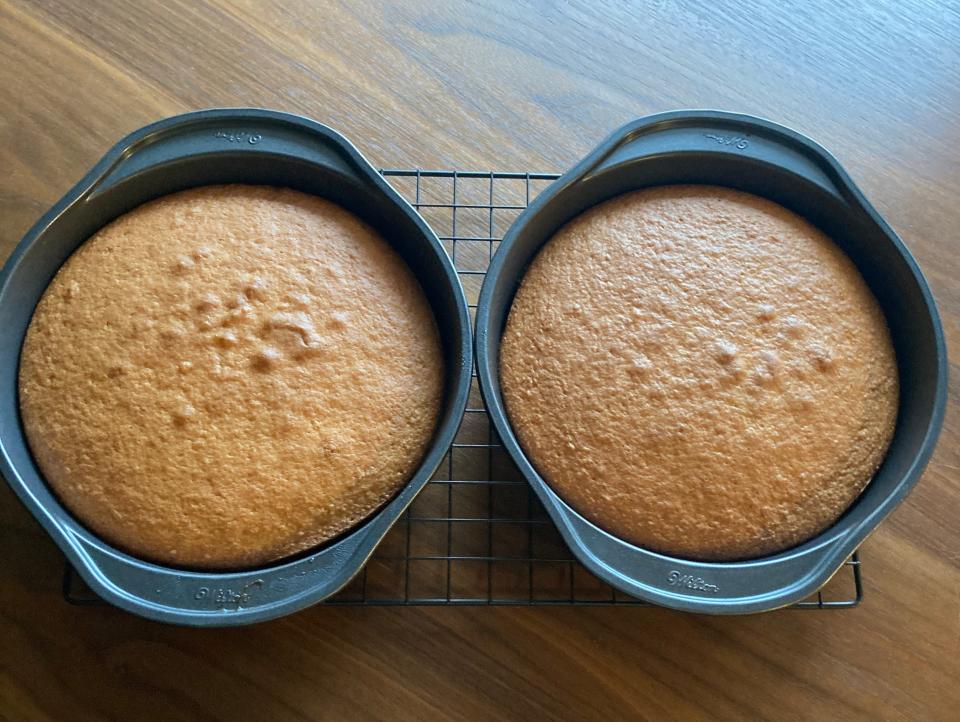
column 496, row 86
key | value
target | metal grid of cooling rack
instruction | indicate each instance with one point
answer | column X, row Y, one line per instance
column 477, row 534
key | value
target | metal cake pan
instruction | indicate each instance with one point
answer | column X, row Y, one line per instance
column 768, row 160
column 201, row 148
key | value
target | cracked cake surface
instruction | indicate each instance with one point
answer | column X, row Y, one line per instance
column 229, row 375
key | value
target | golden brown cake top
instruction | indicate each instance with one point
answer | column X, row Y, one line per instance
column 700, row 372
column 229, row 375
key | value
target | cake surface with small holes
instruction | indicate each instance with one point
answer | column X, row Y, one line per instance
column 700, row 372
column 229, row 375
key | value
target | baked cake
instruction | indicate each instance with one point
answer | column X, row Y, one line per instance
column 229, row 375
column 700, row 372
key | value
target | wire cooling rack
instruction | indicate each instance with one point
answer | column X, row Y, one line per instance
column 477, row 534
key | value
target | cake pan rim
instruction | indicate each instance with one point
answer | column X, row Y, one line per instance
column 833, row 546
column 69, row 533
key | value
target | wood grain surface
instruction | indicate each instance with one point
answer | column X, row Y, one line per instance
column 502, row 86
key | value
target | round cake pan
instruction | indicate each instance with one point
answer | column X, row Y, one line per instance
column 207, row 147
column 768, row 160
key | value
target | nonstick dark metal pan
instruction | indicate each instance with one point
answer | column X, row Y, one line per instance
column 207, row 147
column 768, row 160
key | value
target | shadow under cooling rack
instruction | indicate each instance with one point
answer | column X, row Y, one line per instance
column 477, row 534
